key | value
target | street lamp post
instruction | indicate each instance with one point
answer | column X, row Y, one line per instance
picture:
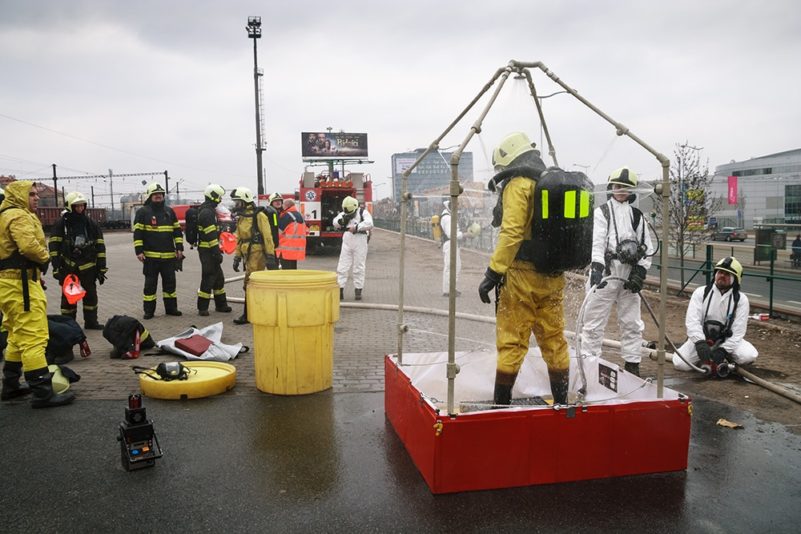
column 254, row 32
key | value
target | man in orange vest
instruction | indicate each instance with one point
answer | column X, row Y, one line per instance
column 292, row 232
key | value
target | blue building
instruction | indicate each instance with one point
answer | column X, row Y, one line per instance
column 434, row 171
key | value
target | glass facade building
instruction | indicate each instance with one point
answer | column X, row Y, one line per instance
column 434, row 171
column 768, row 190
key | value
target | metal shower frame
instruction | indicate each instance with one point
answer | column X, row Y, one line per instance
column 455, row 189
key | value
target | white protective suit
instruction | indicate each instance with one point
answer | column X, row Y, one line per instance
column 445, row 223
column 599, row 306
column 716, row 307
column 354, row 247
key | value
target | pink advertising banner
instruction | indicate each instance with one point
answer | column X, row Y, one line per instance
column 732, row 190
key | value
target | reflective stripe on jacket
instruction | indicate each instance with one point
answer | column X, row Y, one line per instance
column 157, row 233
column 208, row 231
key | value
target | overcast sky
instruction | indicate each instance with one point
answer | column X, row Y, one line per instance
column 152, row 85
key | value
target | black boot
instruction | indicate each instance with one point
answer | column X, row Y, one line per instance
column 203, row 306
column 12, row 389
column 633, row 368
column 221, row 304
column 503, row 388
column 358, row 294
column 90, row 321
column 243, row 319
column 560, row 379
column 503, row 395
column 41, row 384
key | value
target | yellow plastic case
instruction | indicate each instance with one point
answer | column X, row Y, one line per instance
column 205, row 379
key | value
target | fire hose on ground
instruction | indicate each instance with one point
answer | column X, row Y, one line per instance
column 784, row 392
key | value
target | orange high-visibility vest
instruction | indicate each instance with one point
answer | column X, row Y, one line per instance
column 292, row 239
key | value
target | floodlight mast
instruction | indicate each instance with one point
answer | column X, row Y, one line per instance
column 254, row 32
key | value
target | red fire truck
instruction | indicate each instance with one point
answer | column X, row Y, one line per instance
column 319, row 199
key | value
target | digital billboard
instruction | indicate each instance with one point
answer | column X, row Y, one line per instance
column 333, row 145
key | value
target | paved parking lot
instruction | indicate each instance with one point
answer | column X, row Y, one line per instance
column 329, row 462
column 362, row 337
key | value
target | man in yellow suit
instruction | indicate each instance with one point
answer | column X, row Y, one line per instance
column 23, row 260
column 529, row 301
column 254, row 239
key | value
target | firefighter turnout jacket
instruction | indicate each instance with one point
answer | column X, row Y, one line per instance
column 76, row 245
column 157, row 233
column 208, row 233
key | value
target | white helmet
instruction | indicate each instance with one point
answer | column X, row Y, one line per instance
column 244, row 194
column 214, row 193
column 349, row 205
column 73, row 198
column 153, row 188
column 513, row 146
column 624, row 177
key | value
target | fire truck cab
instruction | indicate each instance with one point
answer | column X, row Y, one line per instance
column 320, row 200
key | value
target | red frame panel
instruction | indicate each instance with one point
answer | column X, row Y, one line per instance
column 538, row 446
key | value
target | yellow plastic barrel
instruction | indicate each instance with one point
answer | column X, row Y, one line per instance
column 293, row 314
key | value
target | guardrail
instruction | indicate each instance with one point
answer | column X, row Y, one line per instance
column 772, row 271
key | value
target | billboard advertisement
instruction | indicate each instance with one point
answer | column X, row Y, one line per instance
column 333, row 145
column 732, row 195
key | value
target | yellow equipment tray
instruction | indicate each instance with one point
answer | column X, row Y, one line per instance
column 205, row 379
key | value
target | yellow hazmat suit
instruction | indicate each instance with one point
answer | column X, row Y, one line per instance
column 21, row 234
column 529, row 301
column 253, row 250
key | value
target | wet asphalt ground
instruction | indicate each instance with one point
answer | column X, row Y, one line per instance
column 329, row 462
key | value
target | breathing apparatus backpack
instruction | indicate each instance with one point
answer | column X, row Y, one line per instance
column 561, row 225
column 190, row 220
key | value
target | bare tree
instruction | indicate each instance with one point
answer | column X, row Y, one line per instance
column 691, row 200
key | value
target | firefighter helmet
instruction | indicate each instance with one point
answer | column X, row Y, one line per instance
column 730, row 264
column 153, row 188
column 349, row 205
column 513, row 146
column 244, row 194
column 624, row 177
column 2, row 194
column 275, row 196
column 214, row 193
column 74, row 198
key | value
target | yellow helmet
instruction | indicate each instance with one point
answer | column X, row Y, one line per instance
column 349, row 205
column 2, row 194
column 244, row 194
column 214, row 193
column 153, row 188
column 274, row 197
column 623, row 176
column 730, row 264
column 513, row 145
column 75, row 197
